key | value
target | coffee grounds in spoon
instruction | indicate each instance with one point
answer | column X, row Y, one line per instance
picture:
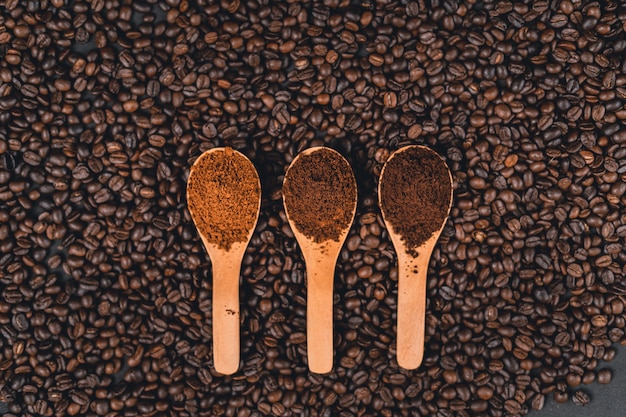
column 223, row 195
column 415, row 187
column 320, row 192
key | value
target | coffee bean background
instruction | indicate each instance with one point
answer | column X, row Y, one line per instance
column 105, row 289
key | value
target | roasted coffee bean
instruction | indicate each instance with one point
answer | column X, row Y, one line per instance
column 20, row 322
column 538, row 402
column 604, row 376
column 581, row 398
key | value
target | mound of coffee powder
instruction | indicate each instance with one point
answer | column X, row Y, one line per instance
column 223, row 195
column 415, row 194
column 320, row 194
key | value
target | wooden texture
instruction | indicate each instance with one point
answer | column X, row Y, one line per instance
column 412, row 279
column 320, row 259
column 225, row 303
column 225, row 306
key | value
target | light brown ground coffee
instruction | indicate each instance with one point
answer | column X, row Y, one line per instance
column 415, row 188
column 223, row 194
column 320, row 193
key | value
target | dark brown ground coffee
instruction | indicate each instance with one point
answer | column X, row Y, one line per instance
column 320, row 191
column 415, row 187
column 223, row 193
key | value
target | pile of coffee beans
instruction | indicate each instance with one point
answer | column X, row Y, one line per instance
column 105, row 289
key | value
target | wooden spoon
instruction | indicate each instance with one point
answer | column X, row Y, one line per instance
column 224, row 198
column 415, row 197
column 319, row 193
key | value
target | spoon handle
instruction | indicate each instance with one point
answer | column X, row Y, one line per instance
column 320, row 271
column 412, row 276
column 226, row 271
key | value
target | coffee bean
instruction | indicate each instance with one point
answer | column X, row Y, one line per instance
column 538, row 402
column 604, row 376
column 32, row 158
column 20, row 322
column 581, row 398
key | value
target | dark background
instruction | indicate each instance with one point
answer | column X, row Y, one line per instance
column 606, row 400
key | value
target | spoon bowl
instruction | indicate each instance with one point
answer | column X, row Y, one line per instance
column 224, row 199
column 415, row 196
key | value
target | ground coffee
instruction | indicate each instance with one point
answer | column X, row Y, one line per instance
column 320, row 192
column 415, row 188
column 223, row 193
